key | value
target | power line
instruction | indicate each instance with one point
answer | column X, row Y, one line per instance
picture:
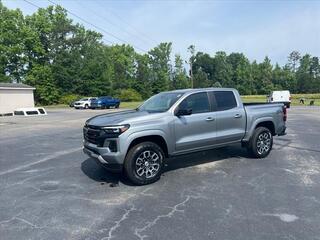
column 97, row 27
column 116, row 24
column 35, row 5
column 132, row 27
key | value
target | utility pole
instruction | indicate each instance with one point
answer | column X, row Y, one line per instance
column 191, row 73
column 192, row 50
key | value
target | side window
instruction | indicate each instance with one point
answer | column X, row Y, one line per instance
column 198, row 102
column 225, row 100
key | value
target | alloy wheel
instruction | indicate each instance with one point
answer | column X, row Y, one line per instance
column 264, row 142
column 148, row 164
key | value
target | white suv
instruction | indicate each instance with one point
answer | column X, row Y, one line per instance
column 84, row 103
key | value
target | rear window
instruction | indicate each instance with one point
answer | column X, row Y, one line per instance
column 225, row 100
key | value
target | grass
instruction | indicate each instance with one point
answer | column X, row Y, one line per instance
column 129, row 105
column 54, row 106
column 294, row 101
column 245, row 98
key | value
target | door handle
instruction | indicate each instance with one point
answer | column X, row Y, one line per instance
column 238, row 115
column 209, row 119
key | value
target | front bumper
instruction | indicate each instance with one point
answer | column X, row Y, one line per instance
column 79, row 106
column 283, row 131
column 112, row 161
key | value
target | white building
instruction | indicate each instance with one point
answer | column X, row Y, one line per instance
column 14, row 95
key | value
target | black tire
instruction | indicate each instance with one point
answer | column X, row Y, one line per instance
column 260, row 143
column 86, row 106
column 135, row 157
column 108, row 107
column 117, row 106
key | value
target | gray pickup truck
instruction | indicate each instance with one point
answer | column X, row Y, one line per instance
column 179, row 122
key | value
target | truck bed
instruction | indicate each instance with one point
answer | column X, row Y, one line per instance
column 272, row 112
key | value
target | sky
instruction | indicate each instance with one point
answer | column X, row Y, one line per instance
column 272, row 28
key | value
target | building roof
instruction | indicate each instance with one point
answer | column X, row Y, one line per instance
column 15, row 86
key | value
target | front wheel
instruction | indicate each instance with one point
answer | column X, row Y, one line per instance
column 144, row 163
column 261, row 142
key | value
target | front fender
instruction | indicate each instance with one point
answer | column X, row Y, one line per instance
column 150, row 132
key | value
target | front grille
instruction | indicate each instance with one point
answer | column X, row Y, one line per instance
column 92, row 135
column 95, row 135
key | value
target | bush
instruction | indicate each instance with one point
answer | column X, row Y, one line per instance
column 129, row 95
column 68, row 98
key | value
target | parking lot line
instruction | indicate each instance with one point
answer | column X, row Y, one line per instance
column 52, row 156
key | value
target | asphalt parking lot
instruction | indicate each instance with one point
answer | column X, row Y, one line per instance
column 50, row 190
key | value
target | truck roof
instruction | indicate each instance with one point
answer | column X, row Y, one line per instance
column 200, row 89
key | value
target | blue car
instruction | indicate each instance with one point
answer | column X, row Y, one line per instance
column 105, row 102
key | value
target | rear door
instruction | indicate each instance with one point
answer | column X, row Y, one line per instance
column 198, row 129
column 230, row 117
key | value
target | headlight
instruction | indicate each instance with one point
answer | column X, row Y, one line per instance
column 116, row 129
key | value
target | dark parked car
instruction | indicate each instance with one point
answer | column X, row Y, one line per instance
column 105, row 102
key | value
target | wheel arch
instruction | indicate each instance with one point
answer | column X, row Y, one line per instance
column 267, row 124
column 155, row 138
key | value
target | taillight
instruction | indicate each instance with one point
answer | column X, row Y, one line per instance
column 284, row 108
column 289, row 98
column 271, row 99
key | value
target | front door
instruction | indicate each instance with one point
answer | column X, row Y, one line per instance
column 197, row 130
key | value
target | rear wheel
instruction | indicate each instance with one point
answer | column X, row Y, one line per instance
column 86, row 106
column 117, row 106
column 144, row 163
column 261, row 142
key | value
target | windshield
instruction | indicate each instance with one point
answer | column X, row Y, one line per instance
column 160, row 102
column 84, row 99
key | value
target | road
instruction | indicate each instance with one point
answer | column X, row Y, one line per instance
column 50, row 190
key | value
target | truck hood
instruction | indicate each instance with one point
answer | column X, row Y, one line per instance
column 117, row 118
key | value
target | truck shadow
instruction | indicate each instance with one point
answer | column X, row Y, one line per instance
column 101, row 175
column 203, row 157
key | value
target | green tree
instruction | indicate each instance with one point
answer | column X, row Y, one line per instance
column 41, row 78
column 142, row 83
column 222, row 70
column 241, row 73
column 16, row 39
column 180, row 79
column 161, row 67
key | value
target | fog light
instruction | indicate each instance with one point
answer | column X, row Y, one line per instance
column 111, row 144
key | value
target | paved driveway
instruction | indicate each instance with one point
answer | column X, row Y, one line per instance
column 50, row 190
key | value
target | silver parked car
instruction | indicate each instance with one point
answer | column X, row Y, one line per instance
column 178, row 122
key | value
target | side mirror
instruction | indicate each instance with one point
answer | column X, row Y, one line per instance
column 183, row 112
